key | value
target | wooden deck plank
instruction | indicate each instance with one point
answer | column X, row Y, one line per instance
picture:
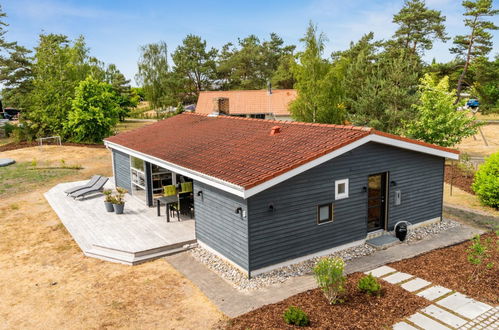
column 138, row 229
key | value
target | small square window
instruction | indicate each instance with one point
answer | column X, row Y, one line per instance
column 324, row 213
column 341, row 189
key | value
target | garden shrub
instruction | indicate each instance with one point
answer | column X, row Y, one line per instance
column 479, row 254
column 328, row 273
column 370, row 285
column 486, row 183
column 296, row 316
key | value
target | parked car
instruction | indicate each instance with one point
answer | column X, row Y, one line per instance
column 11, row 113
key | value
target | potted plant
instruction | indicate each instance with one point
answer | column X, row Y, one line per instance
column 119, row 200
column 108, row 200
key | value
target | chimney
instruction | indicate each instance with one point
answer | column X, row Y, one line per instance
column 275, row 130
column 269, row 88
column 221, row 105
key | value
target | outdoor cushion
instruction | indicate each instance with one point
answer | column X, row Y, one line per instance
column 169, row 190
column 186, row 187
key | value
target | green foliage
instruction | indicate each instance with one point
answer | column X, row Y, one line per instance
column 119, row 198
column 126, row 98
column 486, row 182
column 479, row 254
column 437, row 120
column 295, row 316
column 195, row 65
column 160, row 85
column 251, row 63
column 94, row 112
column 320, row 94
column 478, row 42
column 370, row 285
column 329, row 276
column 418, row 26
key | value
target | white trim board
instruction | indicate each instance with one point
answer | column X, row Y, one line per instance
column 246, row 193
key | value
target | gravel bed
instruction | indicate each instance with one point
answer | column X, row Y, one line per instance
column 239, row 280
column 279, row 275
column 431, row 230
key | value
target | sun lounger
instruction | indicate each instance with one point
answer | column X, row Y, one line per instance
column 98, row 186
column 89, row 184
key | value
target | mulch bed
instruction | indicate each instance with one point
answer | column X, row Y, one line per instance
column 460, row 178
column 359, row 311
column 20, row 145
column 450, row 268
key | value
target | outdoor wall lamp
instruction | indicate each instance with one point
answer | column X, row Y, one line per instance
column 271, row 207
column 200, row 193
column 364, row 189
column 393, row 183
column 239, row 210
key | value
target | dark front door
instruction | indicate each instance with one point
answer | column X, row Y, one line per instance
column 376, row 201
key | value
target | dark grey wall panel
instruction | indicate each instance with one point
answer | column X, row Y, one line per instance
column 218, row 225
column 291, row 230
column 122, row 169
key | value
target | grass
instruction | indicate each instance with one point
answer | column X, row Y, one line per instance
column 130, row 124
column 463, row 199
column 489, row 116
column 21, row 177
column 475, row 146
column 5, row 140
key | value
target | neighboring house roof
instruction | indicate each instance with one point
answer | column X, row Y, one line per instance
column 241, row 156
column 249, row 101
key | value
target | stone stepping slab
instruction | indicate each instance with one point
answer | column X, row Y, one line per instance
column 415, row 284
column 403, row 326
column 465, row 306
column 397, row 277
column 381, row 271
column 444, row 316
column 425, row 322
column 434, row 292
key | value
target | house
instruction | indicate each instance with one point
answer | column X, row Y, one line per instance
column 262, row 104
column 269, row 193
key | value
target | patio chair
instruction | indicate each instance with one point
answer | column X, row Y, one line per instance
column 171, row 190
column 97, row 187
column 89, row 184
column 186, row 187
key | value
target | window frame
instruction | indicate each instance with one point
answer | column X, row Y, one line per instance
column 331, row 215
column 343, row 195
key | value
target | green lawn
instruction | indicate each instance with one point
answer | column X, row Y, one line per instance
column 22, row 177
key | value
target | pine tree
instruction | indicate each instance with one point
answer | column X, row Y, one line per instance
column 418, row 26
column 478, row 42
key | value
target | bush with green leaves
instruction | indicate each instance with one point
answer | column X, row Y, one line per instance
column 328, row 273
column 437, row 120
column 479, row 254
column 296, row 316
column 370, row 285
column 94, row 112
column 486, row 182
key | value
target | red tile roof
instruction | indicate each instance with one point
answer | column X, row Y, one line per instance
column 249, row 101
column 241, row 151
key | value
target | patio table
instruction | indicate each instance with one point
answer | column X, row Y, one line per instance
column 167, row 200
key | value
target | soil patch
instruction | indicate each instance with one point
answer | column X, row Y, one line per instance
column 359, row 311
column 459, row 178
column 450, row 268
column 25, row 144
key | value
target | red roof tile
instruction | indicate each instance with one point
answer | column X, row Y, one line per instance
column 249, row 101
column 237, row 150
column 242, row 151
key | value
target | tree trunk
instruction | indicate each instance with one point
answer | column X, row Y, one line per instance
column 466, row 64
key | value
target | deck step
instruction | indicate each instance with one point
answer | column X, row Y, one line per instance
column 383, row 242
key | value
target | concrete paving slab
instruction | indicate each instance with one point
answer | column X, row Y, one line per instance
column 454, row 301
column 403, row 326
column 381, row 271
column 434, row 292
column 426, row 323
column 444, row 316
column 397, row 277
column 473, row 309
column 415, row 284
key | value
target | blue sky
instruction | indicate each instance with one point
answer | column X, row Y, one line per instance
column 115, row 29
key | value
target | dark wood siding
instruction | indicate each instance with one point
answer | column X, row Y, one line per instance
column 292, row 231
column 218, row 225
column 122, row 169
